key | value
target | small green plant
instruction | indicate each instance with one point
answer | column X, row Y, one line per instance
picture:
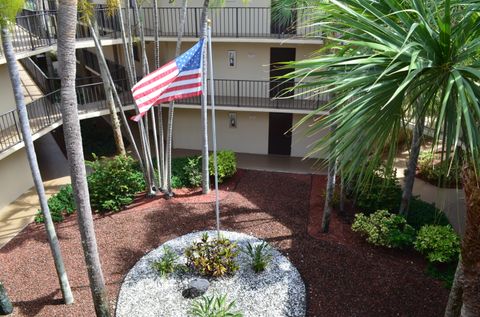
column 193, row 171
column 114, row 182
column 384, row 229
column 438, row 243
column 166, row 265
column 260, row 255
column 60, row 204
column 213, row 306
column 227, row 164
column 438, row 173
column 212, row 257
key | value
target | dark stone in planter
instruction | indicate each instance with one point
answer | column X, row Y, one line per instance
column 196, row 287
column 6, row 307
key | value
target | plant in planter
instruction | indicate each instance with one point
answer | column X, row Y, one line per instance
column 212, row 257
column 442, row 174
column 260, row 256
column 213, row 306
column 167, row 263
column 384, row 229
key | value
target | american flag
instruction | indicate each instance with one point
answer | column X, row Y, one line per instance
column 178, row 79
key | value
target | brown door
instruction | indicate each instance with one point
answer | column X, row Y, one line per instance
column 279, row 55
column 279, row 134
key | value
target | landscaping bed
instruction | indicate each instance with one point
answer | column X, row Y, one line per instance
column 343, row 277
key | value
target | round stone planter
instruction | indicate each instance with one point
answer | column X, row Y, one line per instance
column 276, row 292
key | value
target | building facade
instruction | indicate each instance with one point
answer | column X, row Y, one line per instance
column 247, row 42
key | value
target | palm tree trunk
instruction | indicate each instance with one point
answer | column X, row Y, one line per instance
column 6, row 307
column 332, row 171
column 412, row 165
column 471, row 246
column 160, row 146
column 454, row 304
column 67, row 18
column 117, row 131
column 32, row 161
column 171, row 106
column 204, row 117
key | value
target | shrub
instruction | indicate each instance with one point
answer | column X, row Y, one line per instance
column 442, row 174
column 214, row 306
column 114, row 182
column 166, row 265
column 422, row 213
column 212, row 257
column 60, row 204
column 193, row 171
column 226, row 163
column 179, row 175
column 260, row 256
column 382, row 193
column 438, row 243
column 384, row 229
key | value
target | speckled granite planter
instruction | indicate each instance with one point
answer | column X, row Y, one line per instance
column 276, row 292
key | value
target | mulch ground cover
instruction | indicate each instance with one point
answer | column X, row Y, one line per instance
column 344, row 276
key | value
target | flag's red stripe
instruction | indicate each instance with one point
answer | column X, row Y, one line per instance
column 181, row 96
column 186, row 77
column 154, row 76
column 188, row 86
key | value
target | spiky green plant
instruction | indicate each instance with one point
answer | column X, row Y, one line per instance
column 260, row 255
column 213, row 306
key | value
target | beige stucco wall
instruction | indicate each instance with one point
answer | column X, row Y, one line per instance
column 15, row 177
column 250, row 136
column 7, row 101
column 301, row 143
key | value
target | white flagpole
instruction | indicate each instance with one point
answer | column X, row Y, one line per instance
column 214, row 129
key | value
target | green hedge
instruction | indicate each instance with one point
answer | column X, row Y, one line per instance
column 113, row 182
column 60, row 205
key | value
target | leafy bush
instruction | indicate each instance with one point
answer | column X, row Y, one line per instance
column 384, row 229
column 437, row 173
column 438, row 243
column 214, row 306
column 260, row 256
column 167, row 263
column 382, row 193
column 187, row 171
column 114, row 182
column 444, row 272
column 212, row 257
column 193, row 171
column 226, row 163
column 422, row 213
column 60, row 204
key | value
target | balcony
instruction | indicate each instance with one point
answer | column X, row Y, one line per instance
column 38, row 29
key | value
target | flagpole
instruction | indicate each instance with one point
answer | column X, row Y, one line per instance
column 214, row 128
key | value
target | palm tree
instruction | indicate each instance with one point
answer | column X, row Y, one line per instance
column 86, row 8
column 204, row 117
column 395, row 62
column 7, row 15
column 67, row 17
column 171, row 106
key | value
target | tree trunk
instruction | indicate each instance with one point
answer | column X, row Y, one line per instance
column 204, row 117
column 6, row 307
column 327, row 210
column 471, row 246
column 454, row 304
column 159, row 143
column 412, row 165
column 171, row 106
column 67, row 18
column 32, row 161
column 117, row 131
column 342, row 195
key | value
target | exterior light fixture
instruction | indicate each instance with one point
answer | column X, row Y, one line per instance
column 232, row 120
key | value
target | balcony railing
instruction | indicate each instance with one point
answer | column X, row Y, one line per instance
column 36, row 29
column 45, row 111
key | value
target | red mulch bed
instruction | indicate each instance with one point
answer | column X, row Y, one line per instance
column 344, row 276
